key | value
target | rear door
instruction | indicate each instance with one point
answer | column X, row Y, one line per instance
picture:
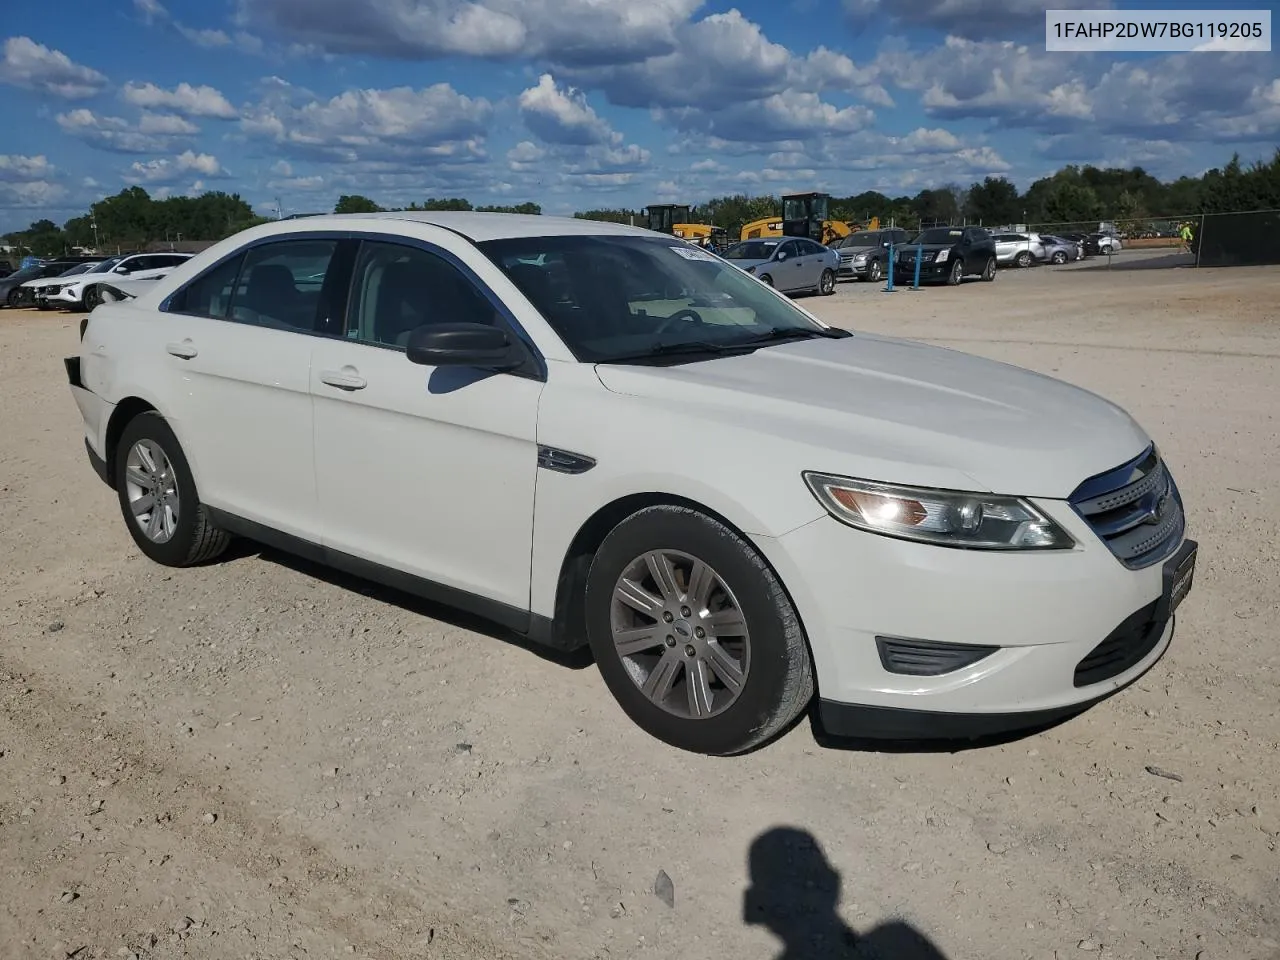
column 237, row 341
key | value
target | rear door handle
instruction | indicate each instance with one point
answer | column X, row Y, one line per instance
column 344, row 379
column 185, row 350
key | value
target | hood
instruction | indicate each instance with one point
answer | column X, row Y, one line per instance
column 899, row 411
column 926, row 247
column 850, row 250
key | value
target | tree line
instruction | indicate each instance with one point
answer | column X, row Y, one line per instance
column 1075, row 194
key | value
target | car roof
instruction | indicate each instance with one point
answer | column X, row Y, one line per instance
column 475, row 226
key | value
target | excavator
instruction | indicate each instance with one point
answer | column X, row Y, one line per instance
column 805, row 215
column 674, row 218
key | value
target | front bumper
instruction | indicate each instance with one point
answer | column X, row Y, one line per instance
column 69, row 296
column 905, row 270
column 1050, row 615
column 850, row 268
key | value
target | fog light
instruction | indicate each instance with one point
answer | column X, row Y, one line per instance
column 928, row 658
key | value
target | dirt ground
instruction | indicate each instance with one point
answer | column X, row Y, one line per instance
column 262, row 760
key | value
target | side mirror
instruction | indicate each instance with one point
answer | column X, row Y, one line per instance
column 782, row 255
column 122, row 270
column 463, row 345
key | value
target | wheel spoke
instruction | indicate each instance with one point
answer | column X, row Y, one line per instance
column 637, row 640
column 701, row 581
column 143, row 504
column 698, row 687
column 154, row 524
column 138, row 477
column 638, row 598
column 728, row 622
column 148, row 461
column 725, row 667
column 662, row 678
column 664, row 576
column 168, row 520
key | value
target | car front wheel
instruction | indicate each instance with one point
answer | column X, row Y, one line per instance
column 874, row 271
column 1059, row 257
column 158, row 496
column 956, row 274
column 693, row 633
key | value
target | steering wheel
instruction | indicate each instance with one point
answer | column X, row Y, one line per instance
column 686, row 313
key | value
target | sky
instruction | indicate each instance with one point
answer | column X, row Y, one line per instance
column 578, row 104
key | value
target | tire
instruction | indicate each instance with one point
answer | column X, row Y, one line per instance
column 14, row 299
column 1023, row 259
column 776, row 672
column 193, row 537
column 875, row 270
column 1058, row 257
column 827, row 283
column 989, row 271
column 766, row 279
column 92, row 298
column 956, row 274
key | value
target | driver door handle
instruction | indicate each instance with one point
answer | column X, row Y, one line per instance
column 184, row 350
column 344, row 379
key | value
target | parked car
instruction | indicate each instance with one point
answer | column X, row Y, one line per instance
column 947, row 254
column 942, row 545
column 791, row 264
column 13, row 290
column 864, row 254
column 1089, row 245
column 1108, row 243
column 36, row 291
column 85, row 291
column 1058, row 250
column 1018, row 249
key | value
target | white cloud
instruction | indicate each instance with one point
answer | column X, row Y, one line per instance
column 562, row 115
column 169, row 171
column 19, row 168
column 168, row 124
column 282, row 168
column 433, row 123
column 188, row 100
column 112, row 133
column 33, row 66
column 525, row 155
column 30, row 194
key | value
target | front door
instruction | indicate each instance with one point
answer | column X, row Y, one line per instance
column 429, row 471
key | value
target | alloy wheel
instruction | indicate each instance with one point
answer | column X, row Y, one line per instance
column 152, row 490
column 680, row 634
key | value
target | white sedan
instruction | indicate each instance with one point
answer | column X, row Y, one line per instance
column 597, row 435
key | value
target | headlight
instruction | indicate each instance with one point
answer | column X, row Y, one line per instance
column 952, row 518
column 942, row 255
column 861, row 258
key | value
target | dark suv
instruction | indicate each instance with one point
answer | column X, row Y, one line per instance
column 947, row 254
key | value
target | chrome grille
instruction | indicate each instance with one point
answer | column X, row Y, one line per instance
column 1136, row 509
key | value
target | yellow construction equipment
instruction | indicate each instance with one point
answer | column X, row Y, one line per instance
column 675, row 219
column 805, row 215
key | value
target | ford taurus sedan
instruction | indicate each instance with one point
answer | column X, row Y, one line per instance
column 599, row 436
column 790, row 264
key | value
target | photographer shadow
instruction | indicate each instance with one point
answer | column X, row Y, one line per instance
column 795, row 892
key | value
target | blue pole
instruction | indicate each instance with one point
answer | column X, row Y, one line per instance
column 919, row 254
column 888, row 286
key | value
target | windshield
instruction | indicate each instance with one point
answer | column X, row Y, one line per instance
column 26, row 273
column 939, row 235
column 752, row 250
column 105, row 265
column 78, row 268
column 863, row 238
column 628, row 298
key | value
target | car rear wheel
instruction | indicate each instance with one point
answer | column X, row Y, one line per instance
column 158, row 496
column 956, row 274
column 693, row 633
column 1023, row 259
column 1059, row 257
column 989, row 271
column 827, row 283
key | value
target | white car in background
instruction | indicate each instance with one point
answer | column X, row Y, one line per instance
column 593, row 434
column 39, row 288
column 86, row 291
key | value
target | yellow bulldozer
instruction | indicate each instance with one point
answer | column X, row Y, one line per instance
column 676, row 219
column 805, row 215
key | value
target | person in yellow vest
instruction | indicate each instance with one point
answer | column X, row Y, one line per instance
column 1186, row 235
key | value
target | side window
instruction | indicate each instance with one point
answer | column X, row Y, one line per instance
column 787, row 249
column 281, row 284
column 209, row 295
column 810, row 248
column 398, row 288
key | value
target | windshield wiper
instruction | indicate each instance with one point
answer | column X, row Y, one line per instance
column 778, row 334
column 683, row 348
